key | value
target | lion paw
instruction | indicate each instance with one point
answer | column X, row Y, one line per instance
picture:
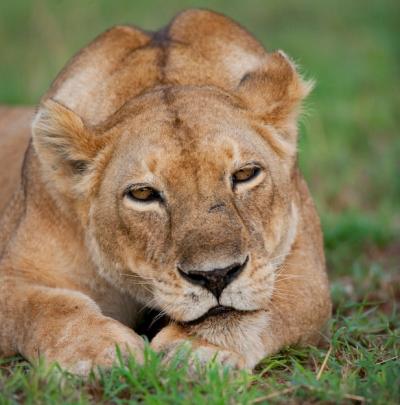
column 203, row 355
column 199, row 355
column 177, row 345
column 97, row 347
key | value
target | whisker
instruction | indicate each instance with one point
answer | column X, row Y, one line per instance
column 157, row 317
column 277, row 310
column 148, row 305
column 283, row 294
column 290, row 277
column 133, row 275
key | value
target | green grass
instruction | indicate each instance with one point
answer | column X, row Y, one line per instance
column 349, row 152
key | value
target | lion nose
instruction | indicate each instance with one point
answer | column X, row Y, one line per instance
column 214, row 280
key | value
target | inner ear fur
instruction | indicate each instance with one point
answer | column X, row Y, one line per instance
column 274, row 92
column 66, row 147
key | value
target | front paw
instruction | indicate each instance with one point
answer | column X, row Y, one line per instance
column 175, row 345
column 86, row 350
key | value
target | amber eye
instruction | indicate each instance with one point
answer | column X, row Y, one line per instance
column 143, row 194
column 246, row 174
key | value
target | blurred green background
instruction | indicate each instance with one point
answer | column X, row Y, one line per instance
column 349, row 143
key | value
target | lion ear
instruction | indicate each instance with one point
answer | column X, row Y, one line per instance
column 232, row 59
column 66, row 147
column 274, row 91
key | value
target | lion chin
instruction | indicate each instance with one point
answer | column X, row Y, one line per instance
column 157, row 184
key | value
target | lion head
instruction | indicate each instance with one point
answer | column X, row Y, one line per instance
column 176, row 153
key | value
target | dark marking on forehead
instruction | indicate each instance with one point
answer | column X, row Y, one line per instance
column 168, row 99
column 177, row 122
column 162, row 61
column 161, row 40
column 228, row 153
column 184, row 136
column 161, row 37
column 181, row 132
column 152, row 164
column 178, row 126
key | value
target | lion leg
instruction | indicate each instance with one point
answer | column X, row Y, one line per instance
column 61, row 325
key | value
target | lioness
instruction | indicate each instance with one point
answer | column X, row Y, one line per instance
column 160, row 172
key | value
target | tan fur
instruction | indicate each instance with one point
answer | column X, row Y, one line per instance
column 179, row 110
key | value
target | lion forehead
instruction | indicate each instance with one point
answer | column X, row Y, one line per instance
column 182, row 129
column 197, row 47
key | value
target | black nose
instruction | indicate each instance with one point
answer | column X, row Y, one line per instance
column 214, row 280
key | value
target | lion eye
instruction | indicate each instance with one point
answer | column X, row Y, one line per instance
column 144, row 194
column 245, row 174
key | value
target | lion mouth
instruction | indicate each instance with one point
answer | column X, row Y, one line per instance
column 219, row 311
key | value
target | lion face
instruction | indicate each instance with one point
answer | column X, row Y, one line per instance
column 176, row 152
column 194, row 205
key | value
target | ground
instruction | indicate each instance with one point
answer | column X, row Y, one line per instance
column 349, row 152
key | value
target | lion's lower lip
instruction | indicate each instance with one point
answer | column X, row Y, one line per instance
column 214, row 311
column 220, row 309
